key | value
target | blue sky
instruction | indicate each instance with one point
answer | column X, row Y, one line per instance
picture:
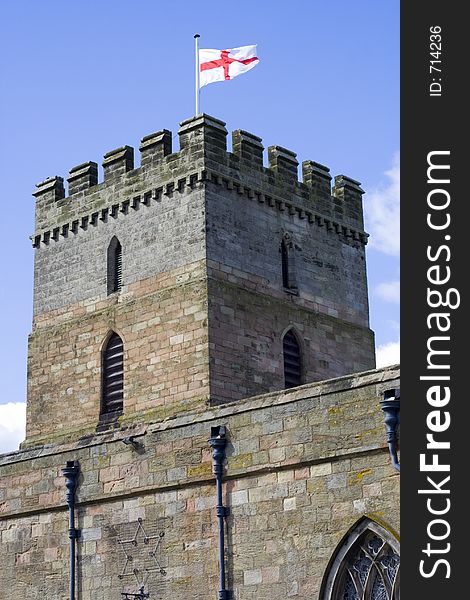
column 82, row 78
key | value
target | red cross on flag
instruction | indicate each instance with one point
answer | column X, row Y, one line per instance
column 218, row 65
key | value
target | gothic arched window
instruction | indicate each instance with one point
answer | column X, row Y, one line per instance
column 288, row 263
column 285, row 264
column 114, row 266
column 113, row 375
column 292, row 360
column 365, row 567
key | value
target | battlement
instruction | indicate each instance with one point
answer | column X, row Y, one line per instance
column 202, row 157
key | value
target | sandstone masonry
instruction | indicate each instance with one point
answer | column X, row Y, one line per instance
column 203, row 308
column 215, row 259
column 303, row 467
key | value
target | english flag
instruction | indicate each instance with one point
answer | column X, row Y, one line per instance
column 218, row 65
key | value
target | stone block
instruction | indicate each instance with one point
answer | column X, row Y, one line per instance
column 252, row 577
column 118, row 162
column 82, row 177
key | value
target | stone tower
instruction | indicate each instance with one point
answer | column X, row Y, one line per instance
column 174, row 303
column 200, row 262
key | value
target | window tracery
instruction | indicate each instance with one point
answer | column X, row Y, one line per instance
column 366, row 566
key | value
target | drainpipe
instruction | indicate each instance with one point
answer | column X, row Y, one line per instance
column 218, row 443
column 390, row 404
column 71, row 473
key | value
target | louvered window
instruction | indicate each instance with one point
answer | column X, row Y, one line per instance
column 114, row 266
column 113, row 375
column 292, row 360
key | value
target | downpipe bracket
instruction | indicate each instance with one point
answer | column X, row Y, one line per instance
column 75, row 534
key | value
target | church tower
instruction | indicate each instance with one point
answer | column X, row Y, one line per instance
column 199, row 278
column 198, row 424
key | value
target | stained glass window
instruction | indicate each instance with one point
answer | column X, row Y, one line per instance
column 366, row 566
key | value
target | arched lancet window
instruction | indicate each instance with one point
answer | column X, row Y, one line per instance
column 292, row 360
column 114, row 266
column 287, row 263
column 365, row 567
column 113, row 375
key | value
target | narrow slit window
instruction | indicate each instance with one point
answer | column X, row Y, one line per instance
column 285, row 264
column 288, row 263
column 292, row 360
column 114, row 266
column 113, row 375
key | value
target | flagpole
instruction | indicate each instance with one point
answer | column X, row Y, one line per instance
column 196, row 42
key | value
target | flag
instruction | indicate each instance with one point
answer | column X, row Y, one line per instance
column 218, row 65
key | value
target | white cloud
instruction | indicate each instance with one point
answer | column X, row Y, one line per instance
column 389, row 291
column 382, row 211
column 388, row 354
column 12, row 425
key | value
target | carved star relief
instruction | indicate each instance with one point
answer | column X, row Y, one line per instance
column 141, row 555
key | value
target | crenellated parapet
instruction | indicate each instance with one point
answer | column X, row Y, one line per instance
column 202, row 159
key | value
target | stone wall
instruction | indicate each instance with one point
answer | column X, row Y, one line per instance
column 162, row 321
column 303, row 466
column 249, row 211
column 250, row 309
column 246, row 328
column 156, row 237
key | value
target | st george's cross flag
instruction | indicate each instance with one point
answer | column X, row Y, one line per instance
column 219, row 65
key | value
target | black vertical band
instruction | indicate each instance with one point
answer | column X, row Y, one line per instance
column 434, row 208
